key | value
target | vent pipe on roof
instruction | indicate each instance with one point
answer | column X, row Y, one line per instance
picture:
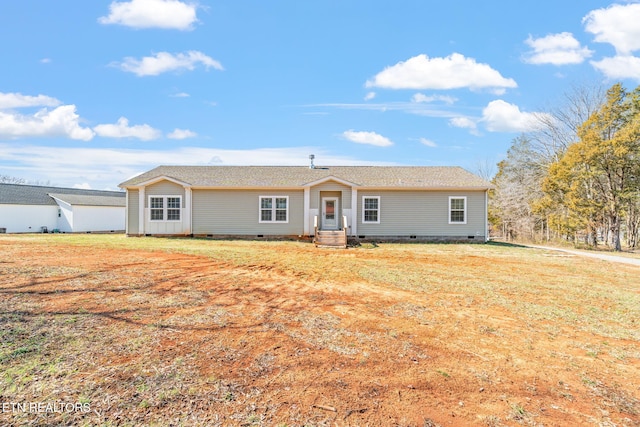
column 311, row 157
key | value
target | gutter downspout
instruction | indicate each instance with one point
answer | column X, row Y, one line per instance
column 188, row 204
column 126, row 211
column 306, row 203
column 141, row 211
column 486, row 216
column 354, row 211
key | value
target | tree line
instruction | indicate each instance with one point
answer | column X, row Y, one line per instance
column 577, row 176
column 9, row 179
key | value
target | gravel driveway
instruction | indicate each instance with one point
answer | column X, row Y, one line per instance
column 606, row 257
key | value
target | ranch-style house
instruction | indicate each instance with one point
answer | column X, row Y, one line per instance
column 369, row 202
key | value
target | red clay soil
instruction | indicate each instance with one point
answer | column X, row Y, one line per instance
column 182, row 339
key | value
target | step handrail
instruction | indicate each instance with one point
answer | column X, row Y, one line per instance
column 345, row 227
column 315, row 228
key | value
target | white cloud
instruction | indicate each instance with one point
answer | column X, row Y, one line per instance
column 164, row 62
column 181, row 95
column 619, row 67
column 463, row 122
column 556, row 49
column 418, row 108
column 61, row 121
column 181, row 134
column 18, row 100
column 616, row 25
column 453, row 72
column 122, row 130
column 83, row 186
column 428, row 142
column 167, row 14
column 370, row 138
column 500, row 116
column 422, row 98
column 369, row 96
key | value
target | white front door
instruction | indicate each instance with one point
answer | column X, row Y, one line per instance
column 330, row 213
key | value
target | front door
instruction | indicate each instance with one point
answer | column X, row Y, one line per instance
column 329, row 213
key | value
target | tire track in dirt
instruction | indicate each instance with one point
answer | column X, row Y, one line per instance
column 277, row 344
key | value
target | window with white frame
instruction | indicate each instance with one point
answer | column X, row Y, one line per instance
column 457, row 210
column 165, row 208
column 274, row 209
column 173, row 208
column 371, row 209
column 157, row 208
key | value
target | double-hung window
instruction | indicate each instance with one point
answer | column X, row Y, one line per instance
column 274, row 209
column 157, row 208
column 173, row 208
column 371, row 209
column 165, row 208
column 457, row 210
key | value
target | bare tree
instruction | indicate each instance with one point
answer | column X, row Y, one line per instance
column 519, row 205
column 518, row 187
column 485, row 169
column 558, row 128
column 598, row 173
column 7, row 179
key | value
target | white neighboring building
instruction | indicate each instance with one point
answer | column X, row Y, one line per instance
column 32, row 209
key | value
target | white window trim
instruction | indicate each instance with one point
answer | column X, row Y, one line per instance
column 466, row 207
column 363, row 209
column 165, row 207
column 273, row 210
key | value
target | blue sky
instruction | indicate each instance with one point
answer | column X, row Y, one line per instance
column 95, row 92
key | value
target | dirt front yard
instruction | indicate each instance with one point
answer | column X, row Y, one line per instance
column 112, row 331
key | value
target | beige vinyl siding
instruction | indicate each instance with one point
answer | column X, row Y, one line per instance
column 329, row 187
column 235, row 212
column 423, row 213
column 164, row 188
column 133, row 212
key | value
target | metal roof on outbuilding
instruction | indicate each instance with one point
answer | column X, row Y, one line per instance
column 18, row 194
column 90, row 200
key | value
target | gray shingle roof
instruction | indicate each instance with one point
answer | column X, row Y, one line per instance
column 17, row 194
column 432, row 177
column 90, row 200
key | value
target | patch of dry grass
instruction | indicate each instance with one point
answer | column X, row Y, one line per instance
column 278, row 329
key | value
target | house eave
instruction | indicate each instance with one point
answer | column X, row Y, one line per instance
column 154, row 181
column 330, row 178
column 247, row 188
column 309, row 185
column 431, row 188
